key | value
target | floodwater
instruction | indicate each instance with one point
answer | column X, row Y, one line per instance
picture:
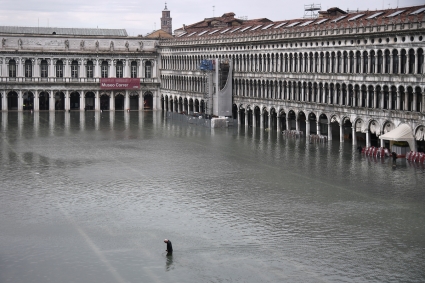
column 90, row 197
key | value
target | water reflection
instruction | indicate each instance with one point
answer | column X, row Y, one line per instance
column 103, row 187
column 169, row 262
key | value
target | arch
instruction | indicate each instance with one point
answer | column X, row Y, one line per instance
column 74, row 98
column 28, row 99
column 12, row 100
column 134, row 100
column 43, row 100
column 148, row 100
column 89, row 101
column 104, row 101
column 119, row 101
column 59, row 100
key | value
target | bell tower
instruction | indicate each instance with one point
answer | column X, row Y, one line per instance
column 166, row 20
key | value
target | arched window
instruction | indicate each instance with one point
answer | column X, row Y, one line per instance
column 90, row 69
column 148, row 69
column 28, row 69
column 44, row 69
column 119, row 69
column 12, row 69
column 59, row 69
column 133, row 69
column 104, row 69
column 74, row 69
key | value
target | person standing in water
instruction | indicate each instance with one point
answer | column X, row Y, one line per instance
column 169, row 247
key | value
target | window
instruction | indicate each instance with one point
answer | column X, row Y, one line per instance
column 28, row 69
column 59, row 69
column 119, row 69
column 74, row 69
column 44, row 69
column 104, row 69
column 148, row 69
column 89, row 69
column 12, row 69
column 134, row 69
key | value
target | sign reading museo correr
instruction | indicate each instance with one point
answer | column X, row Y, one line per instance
column 114, row 83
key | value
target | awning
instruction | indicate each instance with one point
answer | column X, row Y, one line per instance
column 401, row 133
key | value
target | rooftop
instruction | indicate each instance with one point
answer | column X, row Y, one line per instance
column 228, row 25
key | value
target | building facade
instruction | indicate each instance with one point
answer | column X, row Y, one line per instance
column 60, row 69
column 342, row 75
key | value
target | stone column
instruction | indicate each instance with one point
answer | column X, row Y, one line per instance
column 318, row 126
column 127, row 101
column 254, row 120
column 81, row 68
column 354, row 135
column 141, row 106
column 367, row 98
column 239, row 117
column 399, row 61
column 96, row 101
column 52, row 72
column 288, row 125
column 82, row 94
column 368, row 139
column 67, row 100
column 398, row 100
column 111, row 65
column 415, row 101
column 270, row 121
column 307, row 128
column 36, row 102
column 278, row 122
column 52, row 100
column 246, row 117
column 341, row 132
column 96, row 69
column 416, row 65
column 112, row 101
column 36, row 68
column 20, row 100
column 329, row 132
column 262, row 118
column 406, row 69
column 297, row 124
column 382, row 143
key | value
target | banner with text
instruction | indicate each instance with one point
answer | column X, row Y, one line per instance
column 113, row 83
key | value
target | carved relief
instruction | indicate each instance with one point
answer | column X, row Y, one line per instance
column 3, row 42
column 127, row 46
column 111, row 46
column 20, row 43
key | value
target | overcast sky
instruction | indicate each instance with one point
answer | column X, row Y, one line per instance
column 142, row 16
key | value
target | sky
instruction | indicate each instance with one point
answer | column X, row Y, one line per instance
column 143, row 16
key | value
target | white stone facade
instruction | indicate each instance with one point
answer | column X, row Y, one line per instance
column 62, row 72
column 359, row 80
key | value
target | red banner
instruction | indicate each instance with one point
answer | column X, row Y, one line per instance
column 113, row 83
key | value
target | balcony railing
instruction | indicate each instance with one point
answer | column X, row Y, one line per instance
column 64, row 80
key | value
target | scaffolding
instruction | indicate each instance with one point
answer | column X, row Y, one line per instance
column 310, row 11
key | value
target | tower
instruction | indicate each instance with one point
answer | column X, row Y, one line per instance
column 166, row 20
